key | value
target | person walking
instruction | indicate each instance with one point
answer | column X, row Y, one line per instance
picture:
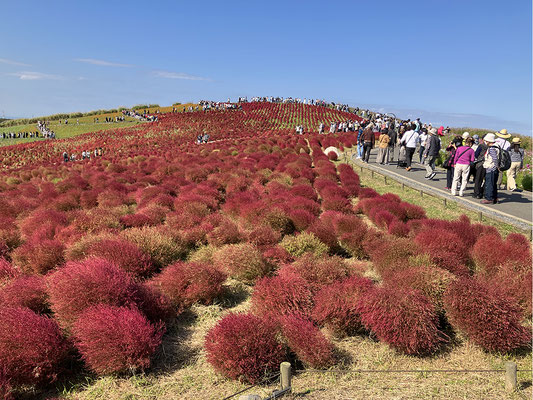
column 393, row 139
column 431, row 153
column 517, row 163
column 479, row 178
column 503, row 144
column 449, row 163
column 421, row 150
column 383, row 148
column 410, row 139
column 369, row 140
column 464, row 155
column 491, row 168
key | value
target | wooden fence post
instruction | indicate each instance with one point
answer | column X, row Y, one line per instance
column 285, row 369
column 510, row 376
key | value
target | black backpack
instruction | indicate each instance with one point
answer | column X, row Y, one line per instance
column 504, row 160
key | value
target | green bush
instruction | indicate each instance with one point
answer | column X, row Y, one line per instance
column 303, row 243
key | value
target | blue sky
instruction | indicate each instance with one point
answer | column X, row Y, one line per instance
column 451, row 62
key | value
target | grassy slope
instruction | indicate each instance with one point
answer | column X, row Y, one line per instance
column 86, row 124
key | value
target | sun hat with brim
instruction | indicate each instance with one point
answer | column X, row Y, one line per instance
column 466, row 135
column 516, row 140
column 503, row 134
column 489, row 137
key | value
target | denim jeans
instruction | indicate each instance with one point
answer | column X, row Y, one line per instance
column 491, row 185
column 359, row 150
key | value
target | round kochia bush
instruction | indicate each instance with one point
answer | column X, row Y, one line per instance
column 80, row 285
column 26, row 291
column 485, row 315
column 241, row 261
column 32, row 348
column 307, row 342
column 188, row 283
column 116, row 339
column 243, row 346
column 403, row 318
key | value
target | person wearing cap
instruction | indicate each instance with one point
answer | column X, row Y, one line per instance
column 465, row 136
column 491, row 170
column 383, row 147
column 431, row 153
column 502, row 143
column 517, row 163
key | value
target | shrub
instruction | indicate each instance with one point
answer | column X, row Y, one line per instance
column 319, row 271
column 7, row 272
column 490, row 253
column 225, row 233
column 325, row 232
column 302, row 243
column 307, row 342
column 26, row 291
column 124, row 255
column 80, row 285
column 154, row 304
column 116, row 339
column 336, row 305
column 242, row 346
column 32, row 349
column 241, row 261
column 389, row 254
column 159, row 245
column 264, row 236
column 188, row 283
column 431, row 281
column 40, row 257
column 281, row 295
column 445, row 248
column 276, row 256
column 6, row 390
column 403, row 318
column 301, row 219
column 485, row 315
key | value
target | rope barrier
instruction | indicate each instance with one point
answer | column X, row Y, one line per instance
column 268, row 378
column 347, row 371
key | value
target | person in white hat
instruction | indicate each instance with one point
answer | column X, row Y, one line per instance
column 431, row 153
column 491, row 170
column 465, row 136
column 517, row 163
column 502, row 143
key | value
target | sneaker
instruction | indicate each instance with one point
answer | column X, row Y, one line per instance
column 447, row 188
column 461, row 195
column 408, row 169
column 426, row 177
column 454, row 194
column 485, row 201
column 432, row 175
column 358, row 158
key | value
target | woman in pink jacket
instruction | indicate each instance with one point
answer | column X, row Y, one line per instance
column 464, row 155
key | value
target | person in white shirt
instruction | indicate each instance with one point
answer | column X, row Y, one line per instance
column 502, row 143
column 423, row 138
column 409, row 140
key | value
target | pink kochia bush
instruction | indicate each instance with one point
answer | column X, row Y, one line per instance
column 243, row 346
column 116, row 339
column 487, row 316
column 32, row 348
column 403, row 318
column 188, row 283
column 80, row 285
column 26, row 291
column 241, row 261
column 307, row 342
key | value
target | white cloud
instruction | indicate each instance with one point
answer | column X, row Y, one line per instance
column 34, row 76
column 102, row 62
column 11, row 62
column 178, row 75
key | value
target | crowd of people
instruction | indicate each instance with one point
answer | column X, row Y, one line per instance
column 85, row 155
column 482, row 161
column 144, row 116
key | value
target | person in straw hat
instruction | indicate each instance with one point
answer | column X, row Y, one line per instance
column 491, row 170
column 517, row 163
column 502, row 143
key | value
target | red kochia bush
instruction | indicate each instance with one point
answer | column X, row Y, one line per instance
column 39, row 258
column 318, row 271
column 243, row 346
column 25, row 291
column 80, row 285
column 307, row 342
column 7, row 271
column 31, row 346
column 281, row 295
column 403, row 318
column 124, row 255
column 491, row 253
column 188, row 283
column 116, row 339
column 242, row 261
column 336, row 305
column 486, row 315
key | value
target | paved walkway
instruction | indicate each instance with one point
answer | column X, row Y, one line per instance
column 515, row 208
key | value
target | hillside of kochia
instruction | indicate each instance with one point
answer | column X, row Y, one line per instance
column 160, row 223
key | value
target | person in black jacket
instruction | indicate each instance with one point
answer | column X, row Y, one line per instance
column 479, row 187
column 392, row 143
column 368, row 139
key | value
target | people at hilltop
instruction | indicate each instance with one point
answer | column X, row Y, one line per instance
column 517, row 163
column 502, row 143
